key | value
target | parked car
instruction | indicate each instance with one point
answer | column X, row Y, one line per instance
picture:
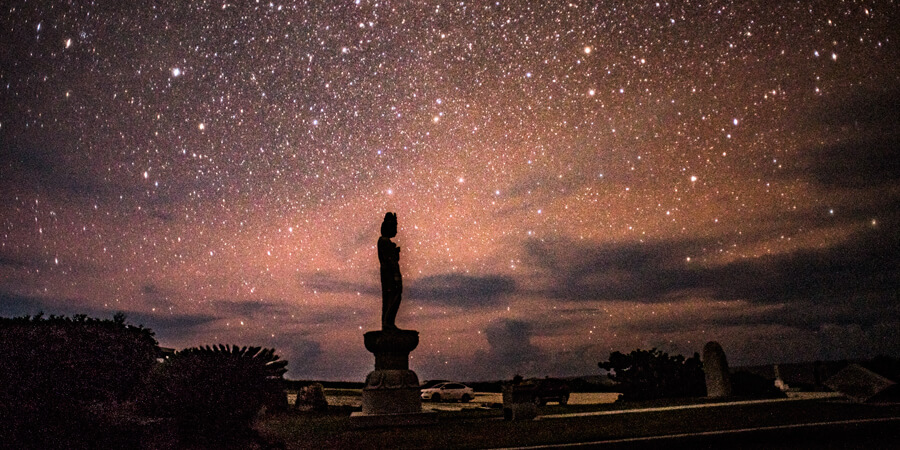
column 448, row 391
column 550, row 390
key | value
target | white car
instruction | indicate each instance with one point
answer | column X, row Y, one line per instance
column 448, row 391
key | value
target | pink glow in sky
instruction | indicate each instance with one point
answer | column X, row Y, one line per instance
column 570, row 179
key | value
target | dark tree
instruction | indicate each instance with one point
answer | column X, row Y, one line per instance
column 63, row 377
column 651, row 374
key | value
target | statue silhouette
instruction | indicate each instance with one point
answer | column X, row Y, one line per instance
column 391, row 281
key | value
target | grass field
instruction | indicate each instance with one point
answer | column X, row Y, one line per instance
column 484, row 428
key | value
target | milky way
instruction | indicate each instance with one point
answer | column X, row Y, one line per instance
column 570, row 179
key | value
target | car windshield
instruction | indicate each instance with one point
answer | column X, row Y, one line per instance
column 432, row 384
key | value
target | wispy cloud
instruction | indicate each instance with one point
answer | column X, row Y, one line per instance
column 468, row 291
column 865, row 265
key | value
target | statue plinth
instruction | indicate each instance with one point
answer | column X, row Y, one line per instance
column 391, row 348
column 391, row 395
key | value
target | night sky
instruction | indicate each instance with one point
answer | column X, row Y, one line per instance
column 570, row 179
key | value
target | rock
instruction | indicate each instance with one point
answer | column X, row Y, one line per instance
column 860, row 384
column 311, row 398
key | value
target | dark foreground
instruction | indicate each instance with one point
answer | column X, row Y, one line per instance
column 867, row 434
column 827, row 424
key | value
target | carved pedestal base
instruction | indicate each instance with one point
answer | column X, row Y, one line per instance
column 391, row 392
column 391, row 396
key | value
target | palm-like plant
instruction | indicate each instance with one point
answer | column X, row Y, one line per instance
column 262, row 361
column 214, row 391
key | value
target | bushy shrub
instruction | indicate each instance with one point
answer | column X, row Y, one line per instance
column 652, row 374
column 59, row 374
column 213, row 393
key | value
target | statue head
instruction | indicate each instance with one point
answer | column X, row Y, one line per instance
column 389, row 226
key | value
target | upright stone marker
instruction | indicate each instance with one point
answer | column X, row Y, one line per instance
column 715, row 366
column 391, row 396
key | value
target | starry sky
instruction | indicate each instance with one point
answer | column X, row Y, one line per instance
column 570, row 178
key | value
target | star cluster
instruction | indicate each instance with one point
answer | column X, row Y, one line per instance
column 570, row 179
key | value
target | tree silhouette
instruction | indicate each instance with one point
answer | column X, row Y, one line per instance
column 62, row 377
column 650, row 374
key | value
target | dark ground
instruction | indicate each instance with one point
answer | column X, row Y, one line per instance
column 878, row 434
column 828, row 424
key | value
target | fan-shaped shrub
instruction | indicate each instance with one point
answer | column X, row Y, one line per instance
column 213, row 392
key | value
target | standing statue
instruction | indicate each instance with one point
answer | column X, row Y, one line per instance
column 391, row 281
column 391, row 396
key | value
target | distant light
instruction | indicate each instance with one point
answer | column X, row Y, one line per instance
column 587, row 50
column 176, row 72
column 693, row 178
column 591, row 92
column 735, row 121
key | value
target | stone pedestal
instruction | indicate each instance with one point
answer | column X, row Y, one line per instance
column 391, row 396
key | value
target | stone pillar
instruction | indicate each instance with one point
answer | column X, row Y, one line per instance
column 715, row 366
column 518, row 402
column 391, row 395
